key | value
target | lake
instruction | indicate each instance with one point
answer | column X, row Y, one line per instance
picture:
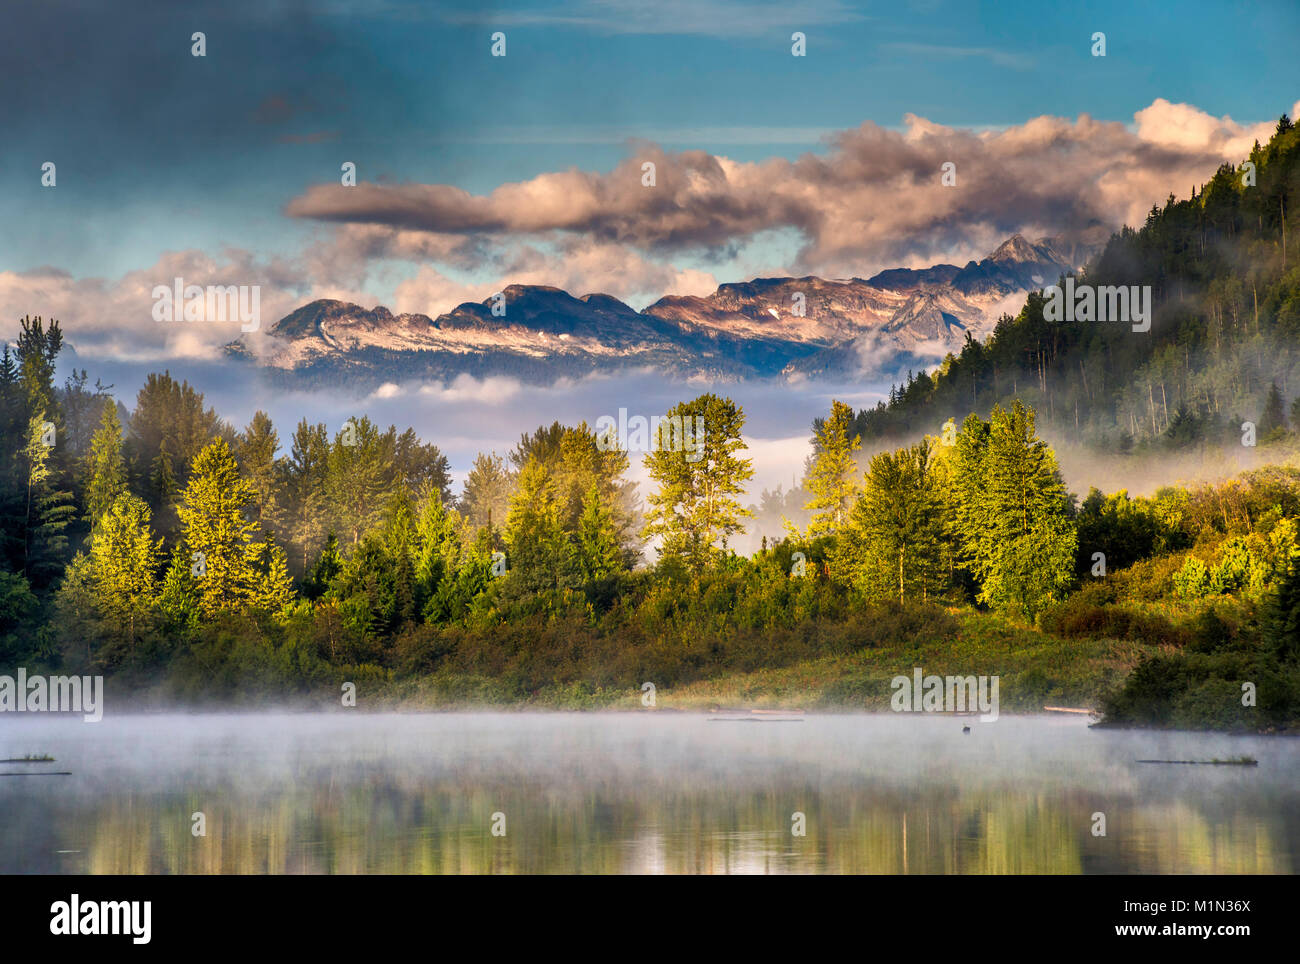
column 653, row 792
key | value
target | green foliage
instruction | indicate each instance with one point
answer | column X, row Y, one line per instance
column 694, row 509
column 599, row 552
column 541, row 556
column 106, row 467
column 124, row 562
column 1011, row 512
column 1126, row 529
column 891, row 544
column 487, row 490
column 831, row 478
column 1225, row 325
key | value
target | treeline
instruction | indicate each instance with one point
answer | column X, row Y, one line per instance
column 1224, row 268
column 165, row 547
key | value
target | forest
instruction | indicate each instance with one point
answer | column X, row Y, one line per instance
column 189, row 560
column 1224, row 270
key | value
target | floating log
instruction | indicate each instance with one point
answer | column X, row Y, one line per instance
column 41, row 773
column 1065, row 709
column 1244, row 761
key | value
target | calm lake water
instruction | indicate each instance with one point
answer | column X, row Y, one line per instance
column 637, row 793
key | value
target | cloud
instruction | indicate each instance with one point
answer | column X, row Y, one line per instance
column 874, row 200
column 115, row 318
column 579, row 266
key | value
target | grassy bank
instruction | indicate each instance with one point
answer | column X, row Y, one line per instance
column 847, row 665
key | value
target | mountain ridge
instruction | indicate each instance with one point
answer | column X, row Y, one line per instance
column 764, row 327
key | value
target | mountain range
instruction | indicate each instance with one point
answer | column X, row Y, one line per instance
column 770, row 327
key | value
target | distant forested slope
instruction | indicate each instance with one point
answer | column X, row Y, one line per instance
column 1224, row 271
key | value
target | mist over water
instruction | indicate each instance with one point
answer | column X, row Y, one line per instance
column 347, row 792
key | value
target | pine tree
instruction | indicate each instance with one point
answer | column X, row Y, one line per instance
column 172, row 415
column 48, row 509
column 359, row 477
column 892, row 542
column 124, row 559
column 694, row 510
column 105, row 466
column 269, row 588
column 37, row 350
column 487, row 490
column 255, row 452
column 306, row 472
column 214, row 527
column 1011, row 511
column 540, row 557
column 1273, row 419
column 599, row 548
column 437, row 546
column 13, row 477
column 328, row 565
column 178, row 601
column 831, row 478
column 163, row 490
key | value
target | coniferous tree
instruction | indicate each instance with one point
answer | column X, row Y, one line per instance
column 49, row 510
column 105, row 466
column 215, row 531
column 178, row 600
column 1273, row 419
column 307, row 472
column 487, row 490
column 124, row 559
column 170, row 414
column 37, row 349
column 359, row 477
column 831, row 477
column 420, row 465
column 540, row 556
column 892, row 541
column 437, row 545
column 270, row 588
column 321, row 576
column 255, row 452
column 598, row 543
column 163, row 490
column 1011, row 511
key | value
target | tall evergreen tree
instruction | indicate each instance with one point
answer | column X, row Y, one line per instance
column 215, row 531
column 170, row 414
column 892, row 542
column 833, row 472
column 255, row 451
column 105, row 466
column 307, row 473
column 540, row 556
column 598, row 541
column 487, row 490
column 1273, row 418
column 437, row 544
column 49, row 509
column 359, row 477
column 124, row 559
column 1011, row 510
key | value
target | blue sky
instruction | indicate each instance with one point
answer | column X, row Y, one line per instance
column 158, row 150
column 169, row 163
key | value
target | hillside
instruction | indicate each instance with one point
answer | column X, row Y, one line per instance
column 1224, row 276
